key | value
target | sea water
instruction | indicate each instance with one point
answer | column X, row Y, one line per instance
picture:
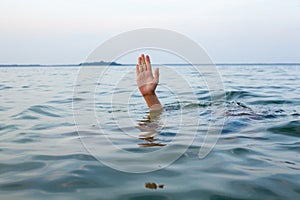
column 44, row 154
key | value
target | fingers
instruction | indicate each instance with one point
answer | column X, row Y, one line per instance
column 141, row 65
column 156, row 75
column 148, row 63
column 137, row 69
column 143, row 62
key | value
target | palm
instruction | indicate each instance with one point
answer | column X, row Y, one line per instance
column 146, row 83
column 145, row 80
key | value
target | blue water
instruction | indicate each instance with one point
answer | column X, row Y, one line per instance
column 257, row 155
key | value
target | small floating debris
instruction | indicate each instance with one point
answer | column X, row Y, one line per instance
column 154, row 186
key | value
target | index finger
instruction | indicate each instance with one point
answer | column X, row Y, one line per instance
column 148, row 63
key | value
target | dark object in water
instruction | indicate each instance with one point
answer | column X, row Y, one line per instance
column 154, row 185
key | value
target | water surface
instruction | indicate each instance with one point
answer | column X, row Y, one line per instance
column 256, row 157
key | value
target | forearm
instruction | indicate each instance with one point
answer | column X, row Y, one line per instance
column 153, row 102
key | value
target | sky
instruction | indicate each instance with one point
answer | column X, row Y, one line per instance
column 231, row 31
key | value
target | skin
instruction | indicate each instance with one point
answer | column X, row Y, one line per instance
column 147, row 82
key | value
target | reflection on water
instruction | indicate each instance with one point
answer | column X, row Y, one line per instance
column 150, row 127
column 150, row 142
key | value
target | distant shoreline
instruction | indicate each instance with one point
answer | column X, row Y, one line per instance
column 102, row 63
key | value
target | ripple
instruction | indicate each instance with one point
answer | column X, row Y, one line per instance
column 65, row 101
column 4, row 87
column 42, row 110
column 24, row 140
column 45, row 110
column 71, row 183
column 233, row 95
column 64, row 184
column 2, row 108
column 295, row 114
column 149, row 196
column 65, row 157
column 24, row 115
column 25, row 166
column 195, row 105
column 7, row 128
column 19, row 185
column 241, row 151
column 234, row 126
column 269, row 102
column 46, row 126
column 236, row 108
column 291, row 128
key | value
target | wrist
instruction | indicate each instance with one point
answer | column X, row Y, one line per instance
column 149, row 94
column 152, row 101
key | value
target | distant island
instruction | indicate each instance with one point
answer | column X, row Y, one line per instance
column 98, row 63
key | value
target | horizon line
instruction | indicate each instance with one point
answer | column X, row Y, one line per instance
column 155, row 64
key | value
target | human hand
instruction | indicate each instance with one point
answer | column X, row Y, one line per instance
column 145, row 80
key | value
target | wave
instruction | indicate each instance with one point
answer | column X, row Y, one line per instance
column 4, row 87
column 33, row 112
column 291, row 128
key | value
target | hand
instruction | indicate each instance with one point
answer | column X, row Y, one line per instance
column 147, row 83
column 145, row 80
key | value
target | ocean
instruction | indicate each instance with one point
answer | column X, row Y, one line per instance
column 64, row 136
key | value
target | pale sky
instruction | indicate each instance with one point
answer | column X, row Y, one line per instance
column 67, row 31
